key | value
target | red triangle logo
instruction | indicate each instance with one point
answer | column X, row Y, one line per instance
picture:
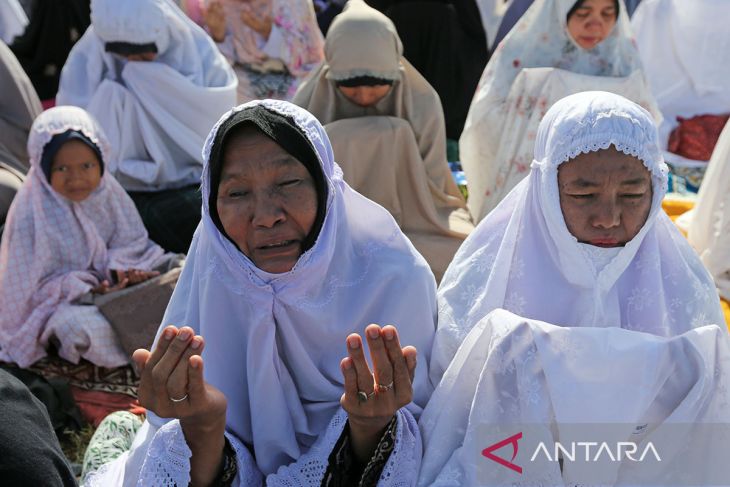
column 512, row 440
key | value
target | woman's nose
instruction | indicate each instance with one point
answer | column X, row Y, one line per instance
column 267, row 212
column 608, row 215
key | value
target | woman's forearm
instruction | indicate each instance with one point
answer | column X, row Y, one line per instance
column 206, row 442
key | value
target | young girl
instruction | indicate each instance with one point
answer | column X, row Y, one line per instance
column 71, row 231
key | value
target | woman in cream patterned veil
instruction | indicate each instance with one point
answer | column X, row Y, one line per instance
column 539, row 62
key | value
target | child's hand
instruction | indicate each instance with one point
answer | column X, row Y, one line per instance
column 135, row 276
column 105, row 287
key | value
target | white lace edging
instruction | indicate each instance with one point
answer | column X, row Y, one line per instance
column 249, row 474
column 167, row 462
column 401, row 470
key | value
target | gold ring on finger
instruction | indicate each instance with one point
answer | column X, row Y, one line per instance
column 384, row 388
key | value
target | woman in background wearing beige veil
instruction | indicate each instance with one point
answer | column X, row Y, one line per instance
column 387, row 131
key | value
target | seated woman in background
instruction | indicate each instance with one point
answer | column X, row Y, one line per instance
column 13, row 20
column 690, row 88
column 446, row 43
column 708, row 223
column 272, row 44
column 54, row 28
column 70, row 231
column 156, row 83
column 557, row 48
column 581, row 242
column 19, row 105
column 387, row 130
column 193, row 9
column 288, row 265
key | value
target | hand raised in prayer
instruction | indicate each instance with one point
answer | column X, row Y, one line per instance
column 172, row 386
column 215, row 19
column 372, row 398
column 135, row 276
column 258, row 18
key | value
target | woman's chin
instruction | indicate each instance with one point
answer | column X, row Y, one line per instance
column 276, row 265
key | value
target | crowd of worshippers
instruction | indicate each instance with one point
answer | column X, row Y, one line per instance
column 334, row 239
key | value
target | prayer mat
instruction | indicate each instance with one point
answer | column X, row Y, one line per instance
column 89, row 377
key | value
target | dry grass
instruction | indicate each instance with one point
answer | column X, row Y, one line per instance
column 74, row 443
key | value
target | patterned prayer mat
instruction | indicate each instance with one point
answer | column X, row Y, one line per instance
column 89, row 377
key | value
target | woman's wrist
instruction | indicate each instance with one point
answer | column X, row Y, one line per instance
column 200, row 431
column 364, row 437
column 206, row 440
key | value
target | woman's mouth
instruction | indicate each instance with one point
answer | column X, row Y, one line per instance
column 605, row 242
column 277, row 245
column 590, row 41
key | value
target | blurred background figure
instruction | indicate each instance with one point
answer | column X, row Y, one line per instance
column 446, row 42
column 53, row 29
column 19, row 105
column 675, row 39
column 271, row 44
column 12, row 20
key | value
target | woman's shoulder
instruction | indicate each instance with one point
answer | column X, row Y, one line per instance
column 418, row 86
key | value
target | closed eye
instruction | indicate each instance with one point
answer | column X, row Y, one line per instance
column 582, row 196
column 633, row 196
column 289, row 183
column 237, row 194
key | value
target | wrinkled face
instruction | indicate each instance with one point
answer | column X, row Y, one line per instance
column 267, row 201
column 590, row 24
column 144, row 56
column 365, row 96
column 76, row 171
column 605, row 197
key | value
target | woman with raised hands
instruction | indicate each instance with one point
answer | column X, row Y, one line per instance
column 288, row 269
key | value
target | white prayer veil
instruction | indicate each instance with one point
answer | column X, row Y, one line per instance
column 156, row 114
column 522, row 257
column 513, row 93
column 709, row 220
column 564, row 384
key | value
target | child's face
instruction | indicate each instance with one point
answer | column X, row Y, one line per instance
column 76, row 171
